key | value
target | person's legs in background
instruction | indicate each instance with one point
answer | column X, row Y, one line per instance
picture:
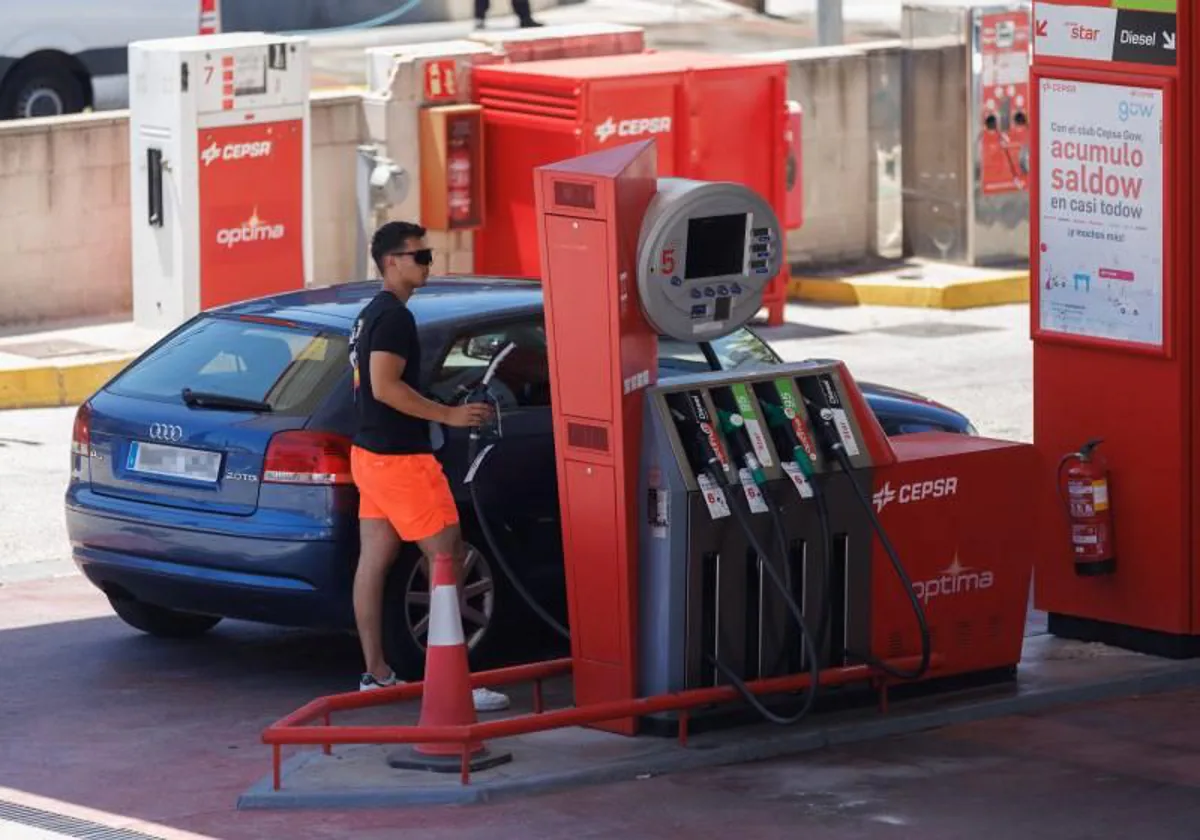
column 520, row 8
column 524, row 13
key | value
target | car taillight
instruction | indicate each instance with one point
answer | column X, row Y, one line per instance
column 301, row 457
column 210, row 17
column 81, row 435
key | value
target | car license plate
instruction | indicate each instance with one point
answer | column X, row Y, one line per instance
column 174, row 462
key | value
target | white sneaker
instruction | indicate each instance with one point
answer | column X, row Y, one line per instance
column 487, row 700
column 369, row 682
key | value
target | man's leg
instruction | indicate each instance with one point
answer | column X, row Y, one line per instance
column 449, row 541
column 379, row 546
column 524, row 14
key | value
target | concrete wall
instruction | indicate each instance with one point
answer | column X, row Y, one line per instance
column 64, row 218
column 337, row 130
column 64, row 210
column 851, row 152
column 64, row 188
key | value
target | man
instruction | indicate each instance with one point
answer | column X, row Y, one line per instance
column 403, row 491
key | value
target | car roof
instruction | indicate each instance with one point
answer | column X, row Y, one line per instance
column 442, row 300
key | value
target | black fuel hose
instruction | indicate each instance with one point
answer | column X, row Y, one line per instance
column 834, row 444
column 793, row 608
column 475, row 460
column 476, row 464
column 781, row 537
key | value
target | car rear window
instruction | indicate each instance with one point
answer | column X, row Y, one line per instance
column 291, row 368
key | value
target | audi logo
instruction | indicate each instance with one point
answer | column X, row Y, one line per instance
column 166, row 432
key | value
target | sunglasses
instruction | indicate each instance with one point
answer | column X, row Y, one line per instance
column 423, row 256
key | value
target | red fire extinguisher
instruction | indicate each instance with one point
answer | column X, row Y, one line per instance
column 459, row 182
column 1083, row 487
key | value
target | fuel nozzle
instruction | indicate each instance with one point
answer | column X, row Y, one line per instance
column 481, row 392
column 708, row 457
column 826, row 430
column 733, row 427
column 778, row 420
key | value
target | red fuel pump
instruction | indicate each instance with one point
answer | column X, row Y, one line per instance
column 1083, row 486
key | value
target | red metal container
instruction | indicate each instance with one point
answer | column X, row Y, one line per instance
column 721, row 118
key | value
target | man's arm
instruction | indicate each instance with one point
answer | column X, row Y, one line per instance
column 389, row 389
column 391, row 340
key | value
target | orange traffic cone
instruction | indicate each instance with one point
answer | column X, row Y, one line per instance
column 446, row 699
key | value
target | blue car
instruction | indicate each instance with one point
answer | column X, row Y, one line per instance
column 211, row 477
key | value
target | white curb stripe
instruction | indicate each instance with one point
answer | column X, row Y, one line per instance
column 445, row 622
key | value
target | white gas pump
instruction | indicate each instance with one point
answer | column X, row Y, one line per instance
column 220, row 172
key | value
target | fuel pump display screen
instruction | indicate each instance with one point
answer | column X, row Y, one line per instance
column 706, row 253
column 716, row 246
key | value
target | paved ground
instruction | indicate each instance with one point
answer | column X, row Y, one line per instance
column 125, row 731
column 34, row 466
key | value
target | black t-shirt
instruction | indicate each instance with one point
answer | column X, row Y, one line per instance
column 386, row 324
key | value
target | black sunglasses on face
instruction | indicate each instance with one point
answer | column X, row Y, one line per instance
column 423, row 256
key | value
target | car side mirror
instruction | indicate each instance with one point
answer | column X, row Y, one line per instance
column 482, row 347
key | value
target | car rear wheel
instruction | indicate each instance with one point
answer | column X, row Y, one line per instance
column 482, row 604
column 160, row 621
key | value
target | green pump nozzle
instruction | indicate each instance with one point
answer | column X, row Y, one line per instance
column 777, row 418
column 733, row 427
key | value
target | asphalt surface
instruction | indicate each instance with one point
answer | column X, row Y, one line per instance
column 977, row 361
column 121, row 731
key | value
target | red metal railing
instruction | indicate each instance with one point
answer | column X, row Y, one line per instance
column 296, row 728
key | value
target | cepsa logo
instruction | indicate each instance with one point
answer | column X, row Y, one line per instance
column 955, row 579
column 235, row 151
column 632, row 128
column 916, row 491
column 253, row 229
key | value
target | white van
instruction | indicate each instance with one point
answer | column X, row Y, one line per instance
column 64, row 56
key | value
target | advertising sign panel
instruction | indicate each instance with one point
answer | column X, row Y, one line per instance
column 1134, row 31
column 1101, row 249
column 1004, row 53
column 251, row 211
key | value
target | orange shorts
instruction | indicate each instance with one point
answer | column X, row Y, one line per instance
column 410, row 491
